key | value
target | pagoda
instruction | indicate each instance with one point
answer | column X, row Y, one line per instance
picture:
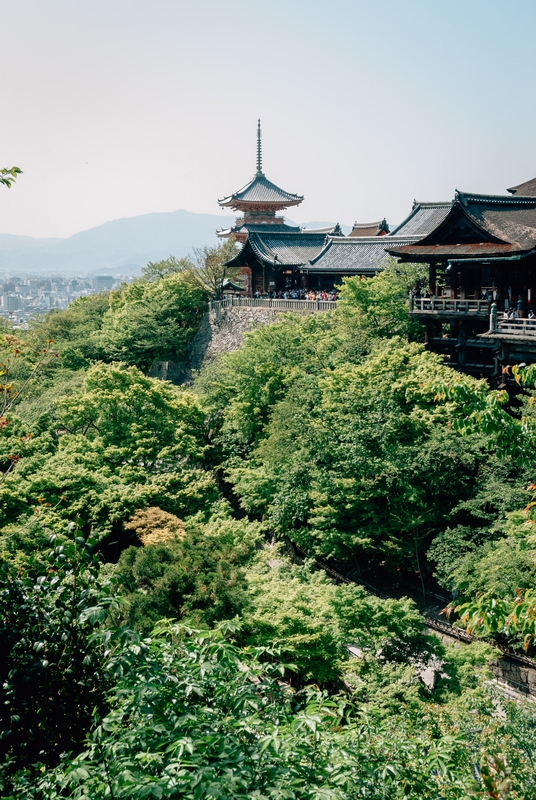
column 259, row 201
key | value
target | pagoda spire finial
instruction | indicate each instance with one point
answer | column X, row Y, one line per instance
column 259, row 149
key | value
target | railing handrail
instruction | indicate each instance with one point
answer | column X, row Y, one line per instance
column 447, row 304
column 517, row 327
column 275, row 302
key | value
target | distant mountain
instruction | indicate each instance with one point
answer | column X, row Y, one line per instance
column 124, row 245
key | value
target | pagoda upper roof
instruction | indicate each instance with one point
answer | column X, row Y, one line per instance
column 260, row 193
column 480, row 225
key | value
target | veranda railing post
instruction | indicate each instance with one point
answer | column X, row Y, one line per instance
column 493, row 318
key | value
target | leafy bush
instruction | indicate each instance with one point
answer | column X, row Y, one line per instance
column 312, row 620
column 52, row 667
column 198, row 577
column 193, row 716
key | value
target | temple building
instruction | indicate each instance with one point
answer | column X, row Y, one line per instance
column 276, row 257
column 481, row 254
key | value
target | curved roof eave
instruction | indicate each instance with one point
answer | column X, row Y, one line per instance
column 268, row 193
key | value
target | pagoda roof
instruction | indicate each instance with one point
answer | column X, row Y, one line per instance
column 480, row 225
column 358, row 254
column 424, row 218
column 280, row 249
column 260, row 228
column 260, row 192
column 380, row 228
column 527, row 189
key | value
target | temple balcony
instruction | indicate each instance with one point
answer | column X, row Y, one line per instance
column 447, row 307
column 511, row 330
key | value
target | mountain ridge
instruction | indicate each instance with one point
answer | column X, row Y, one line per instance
column 120, row 245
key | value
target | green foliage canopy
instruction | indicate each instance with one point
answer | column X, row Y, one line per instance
column 148, row 321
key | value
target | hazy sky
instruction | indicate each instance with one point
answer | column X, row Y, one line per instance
column 115, row 108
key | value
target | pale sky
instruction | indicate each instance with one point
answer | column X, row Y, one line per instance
column 114, row 108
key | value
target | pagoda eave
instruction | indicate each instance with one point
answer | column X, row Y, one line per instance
column 259, row 208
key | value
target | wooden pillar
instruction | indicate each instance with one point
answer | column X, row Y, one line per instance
column 463, row 280
column 433, row 273
column 478, row 283
column 428, row 335
column 453, row 284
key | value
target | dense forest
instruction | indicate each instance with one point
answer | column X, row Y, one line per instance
column 167, row 628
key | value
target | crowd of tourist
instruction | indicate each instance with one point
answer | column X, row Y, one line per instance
column 298, row 294
column 514, row 314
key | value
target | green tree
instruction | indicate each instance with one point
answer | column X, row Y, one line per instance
column 52, row 666
column 379, row 306
column 119, row 442
column 148, row 321
column 73, row 330
column 195, row 716
column 311, row 621
column 198, row 577
column 361, row 459
column 206, row 269
column 156, row 270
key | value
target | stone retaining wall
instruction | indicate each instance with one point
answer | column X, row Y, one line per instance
column 222, row 330
column 521, row 677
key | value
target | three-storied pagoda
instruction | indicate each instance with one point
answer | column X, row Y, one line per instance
column 259, row 201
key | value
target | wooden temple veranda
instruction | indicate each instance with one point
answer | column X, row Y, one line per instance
column 482, row 281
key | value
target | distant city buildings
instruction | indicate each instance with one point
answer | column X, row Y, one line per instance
column 25, row 297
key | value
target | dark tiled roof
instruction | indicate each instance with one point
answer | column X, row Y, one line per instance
column 424, row 218
column 527, row 189
column 360, row 255
column 509, row 219
column 287, row 249
column 369, row 228
column 281, row 249
column 500, row 224
column 261, row 191
column 453, row 251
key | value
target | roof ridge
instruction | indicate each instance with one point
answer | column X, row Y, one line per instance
column 367, row 224
column 353, row 240
column 431, row 204
column 506, row 199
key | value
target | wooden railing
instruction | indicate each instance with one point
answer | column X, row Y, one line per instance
column 517, row 327
column 266, row 302
column 436, row 305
